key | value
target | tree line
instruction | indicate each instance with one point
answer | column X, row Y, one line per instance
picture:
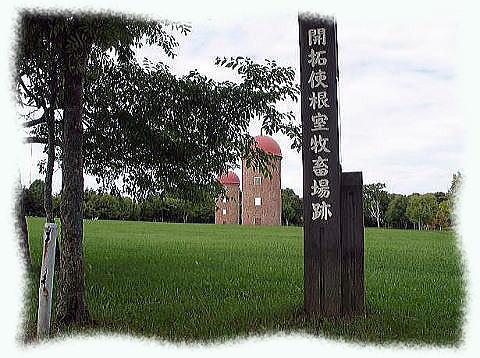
column 381, row 209
column 414, row 211
column 100, row 205
column 113, row 206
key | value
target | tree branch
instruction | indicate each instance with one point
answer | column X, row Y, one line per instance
column 39, row 140
column 35, row 140
column 40, row 103
column 35, row 122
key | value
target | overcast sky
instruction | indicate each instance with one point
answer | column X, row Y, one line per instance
column 399, row 114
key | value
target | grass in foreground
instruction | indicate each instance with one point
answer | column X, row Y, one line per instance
column 186, row 282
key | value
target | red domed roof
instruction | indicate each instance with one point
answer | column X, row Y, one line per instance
column 229, row 178
column 268, row 144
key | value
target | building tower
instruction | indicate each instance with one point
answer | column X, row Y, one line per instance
column 227, row 208
column 261, row 196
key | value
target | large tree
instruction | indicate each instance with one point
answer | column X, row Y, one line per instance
column 190, row 127
column 139, row 127
column 58, row 48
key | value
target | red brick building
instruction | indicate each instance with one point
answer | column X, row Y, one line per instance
column 261, row 195
column 228, row 207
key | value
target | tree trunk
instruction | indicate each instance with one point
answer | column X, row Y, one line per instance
column 72, row 308
column 50, row 118
column 47, row 193
column 21, row 227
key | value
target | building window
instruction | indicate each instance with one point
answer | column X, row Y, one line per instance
column 257, row 180
column 258, row 201
column 224, row 211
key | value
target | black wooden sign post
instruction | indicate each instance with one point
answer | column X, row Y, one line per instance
column 327, row 279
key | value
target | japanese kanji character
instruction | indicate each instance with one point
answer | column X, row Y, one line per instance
column 315, row 58
column 317, row 37
column 321, row 211
column 321, row 188
column 317, row 79
column 319, row 122
column 318, row 100
column 320, row 167
column 319, row 144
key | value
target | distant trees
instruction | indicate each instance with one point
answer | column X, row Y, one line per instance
column 443, row 215
column 396, row 216
column 434, row 210
column 421, row 210
column 418, row 211
column 21, row 225
column 113, row 206
column 106, row 206
column 292, row 208
column 375, row 202
column 453, row 197
column 33, row 199
column 173, row 209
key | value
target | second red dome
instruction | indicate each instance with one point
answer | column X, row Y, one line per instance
column 229, row 178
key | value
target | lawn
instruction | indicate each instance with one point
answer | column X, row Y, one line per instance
column 200, row 282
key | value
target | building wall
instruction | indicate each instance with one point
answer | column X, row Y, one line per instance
column 232, row 205
column 269, row 190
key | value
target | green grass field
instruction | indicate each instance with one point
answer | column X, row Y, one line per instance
column 187, row 282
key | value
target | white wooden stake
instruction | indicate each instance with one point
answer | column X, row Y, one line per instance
column 46, row 280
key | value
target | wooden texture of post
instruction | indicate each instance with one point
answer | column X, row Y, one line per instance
column 46, row 280
column 321, row 165
column 352, row 244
